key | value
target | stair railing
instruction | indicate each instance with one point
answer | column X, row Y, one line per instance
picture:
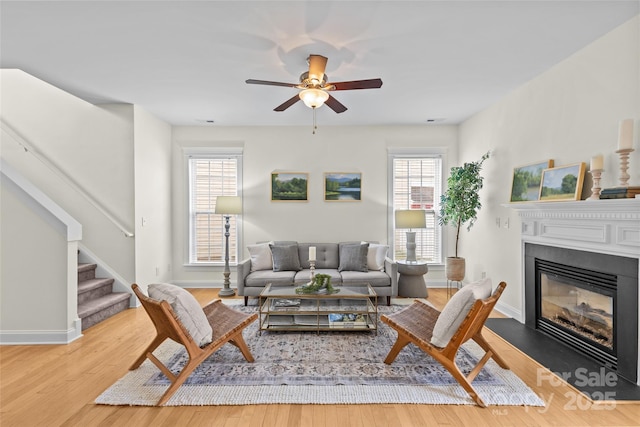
column 28, row 148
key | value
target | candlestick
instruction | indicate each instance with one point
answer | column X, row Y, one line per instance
column 312, row 253
column 312, row 267
column 624, row 165
column 625, row 134
column 595, row 189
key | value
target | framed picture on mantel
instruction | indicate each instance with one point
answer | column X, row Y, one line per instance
column 525, row 183
column 562, row 183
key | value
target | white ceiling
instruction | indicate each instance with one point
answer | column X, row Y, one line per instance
column 187, row 62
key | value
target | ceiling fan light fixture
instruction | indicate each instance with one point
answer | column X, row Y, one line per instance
column 313, row 98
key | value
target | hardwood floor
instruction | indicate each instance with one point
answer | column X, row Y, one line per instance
column 55, row 385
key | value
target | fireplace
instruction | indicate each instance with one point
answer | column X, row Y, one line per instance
column 580, row 268
column 587, row 301
column 577, row 307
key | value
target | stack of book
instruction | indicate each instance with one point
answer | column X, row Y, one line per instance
column 347, row 320
column 620, row 192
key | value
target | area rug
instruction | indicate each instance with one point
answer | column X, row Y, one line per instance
column 318, row 368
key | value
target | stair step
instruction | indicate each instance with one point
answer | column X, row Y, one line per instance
column 86, row 272
column 94, row 288
column 101, row 308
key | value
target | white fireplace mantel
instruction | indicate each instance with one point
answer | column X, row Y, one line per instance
column 603, row 226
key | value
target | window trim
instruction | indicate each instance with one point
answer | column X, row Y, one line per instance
column 210, row 153
column 394, row 153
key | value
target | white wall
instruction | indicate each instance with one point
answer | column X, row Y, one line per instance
column 152, row 199
column 92, row 144
column 33, row 277
column 295, row 149
column 567, row 114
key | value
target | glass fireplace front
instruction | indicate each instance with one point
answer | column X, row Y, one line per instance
column 585, row 312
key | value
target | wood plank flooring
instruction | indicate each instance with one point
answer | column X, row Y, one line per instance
column 55, row 385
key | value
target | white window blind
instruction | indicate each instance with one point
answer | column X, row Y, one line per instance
column 417, row 184
column 210, row 177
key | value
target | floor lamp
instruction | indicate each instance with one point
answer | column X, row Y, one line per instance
column 414, row 218
column 227, row 206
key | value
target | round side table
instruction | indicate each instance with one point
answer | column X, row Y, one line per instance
column 411, row 281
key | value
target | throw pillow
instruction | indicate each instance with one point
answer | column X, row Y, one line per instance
column 260, row 257
column 376, row 255
column 186, row 308
column 285, row 257
column 353, row 257
column 457, row 309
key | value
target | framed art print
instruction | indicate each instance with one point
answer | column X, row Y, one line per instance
column 289, row 186
column 562, row 183
column 525, row 182
column 342, row 187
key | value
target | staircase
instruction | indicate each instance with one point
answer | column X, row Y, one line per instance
column 96, row 299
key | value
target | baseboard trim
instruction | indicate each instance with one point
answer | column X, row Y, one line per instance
column 41, row 337
column 509, row 311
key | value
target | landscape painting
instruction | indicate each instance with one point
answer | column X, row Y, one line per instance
column 525, row 186
column 289, row 187
column 342, row 187
column 562, row 183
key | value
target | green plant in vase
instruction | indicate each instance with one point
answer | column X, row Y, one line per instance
column 318, row 283
column 460, row 205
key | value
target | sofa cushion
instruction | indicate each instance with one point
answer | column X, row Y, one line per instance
column 374, row 278
column 457, row 309
column 263, row 277
column 376, row 255
column 260, row 257
column 187, row 309
column 285, row 257
column 326, row 255
column 353, row 257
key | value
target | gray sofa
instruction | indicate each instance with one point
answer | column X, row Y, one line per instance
column 275, row 263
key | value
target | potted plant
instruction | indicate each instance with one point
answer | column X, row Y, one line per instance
column 460, row 205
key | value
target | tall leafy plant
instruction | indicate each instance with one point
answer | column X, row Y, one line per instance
column 461, row 202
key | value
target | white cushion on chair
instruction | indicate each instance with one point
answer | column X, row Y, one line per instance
column 457, row 309
column 186, row 308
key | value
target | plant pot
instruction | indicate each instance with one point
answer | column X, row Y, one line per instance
column 455, row 268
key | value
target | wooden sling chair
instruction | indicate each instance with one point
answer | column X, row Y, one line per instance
column 415, row 324
column 227, row 325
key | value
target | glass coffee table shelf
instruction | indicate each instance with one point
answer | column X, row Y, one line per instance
column 354, row 308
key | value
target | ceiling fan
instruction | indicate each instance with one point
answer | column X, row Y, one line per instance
column 315, row 89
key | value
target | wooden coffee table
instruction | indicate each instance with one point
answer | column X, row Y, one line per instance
column 353, row 308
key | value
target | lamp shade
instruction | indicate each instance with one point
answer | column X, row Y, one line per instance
column 313, row 98
column 414, row 218
column 228, row 205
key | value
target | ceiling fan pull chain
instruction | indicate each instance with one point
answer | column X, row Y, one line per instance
column 315, row 126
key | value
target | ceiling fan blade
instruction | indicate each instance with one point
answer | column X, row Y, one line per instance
column 357, row 84
column 288, row 103
column 317, row 65
column 268, row 83
column 335, row 105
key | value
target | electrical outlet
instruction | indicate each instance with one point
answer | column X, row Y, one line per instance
column 506, row 223
column 498, row 222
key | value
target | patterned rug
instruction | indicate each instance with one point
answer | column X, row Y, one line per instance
column 322, row 368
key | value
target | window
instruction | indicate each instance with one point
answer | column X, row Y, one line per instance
column 211, row 176
column 416, row 184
